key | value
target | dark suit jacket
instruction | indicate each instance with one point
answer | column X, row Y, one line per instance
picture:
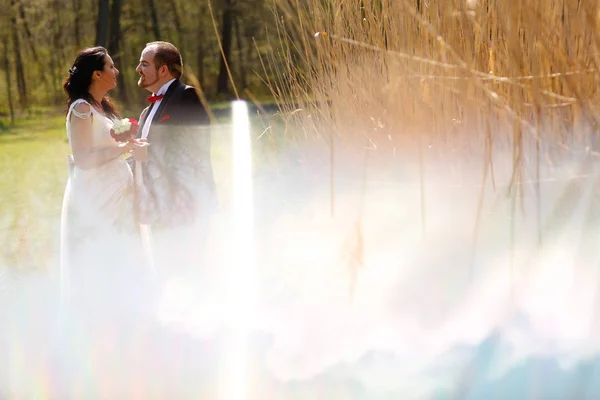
column 178, row 175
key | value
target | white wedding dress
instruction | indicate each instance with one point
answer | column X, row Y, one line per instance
column 102, row 258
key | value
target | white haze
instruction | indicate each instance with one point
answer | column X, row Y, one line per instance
column 427, row 315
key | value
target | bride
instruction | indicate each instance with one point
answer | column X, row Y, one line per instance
column 101, row 246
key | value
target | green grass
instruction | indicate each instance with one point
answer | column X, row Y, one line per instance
column 33, row 176
column 32, row 181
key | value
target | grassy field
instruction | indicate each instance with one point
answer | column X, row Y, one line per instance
column 481, row 234
column 32, row 182
column 33, row 175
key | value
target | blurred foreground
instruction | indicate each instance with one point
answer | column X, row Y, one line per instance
column 399, row 294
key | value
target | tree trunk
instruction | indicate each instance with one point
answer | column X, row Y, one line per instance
column 201, row 55
column 8, row 80
column 27, row 31
column 154, row 17
column 241, row 55
column 76, row 25
column 31, row 42
column 226, row 41
column 59, row 37
column 102, row 23
column 55, row 71
column 19, row 69
column 114, row 46
column 178, row 25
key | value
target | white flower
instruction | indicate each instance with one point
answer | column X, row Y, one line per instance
column 121, row 126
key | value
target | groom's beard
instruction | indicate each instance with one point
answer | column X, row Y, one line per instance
column 144, row 84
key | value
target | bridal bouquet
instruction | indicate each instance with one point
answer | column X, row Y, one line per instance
column 124, row 130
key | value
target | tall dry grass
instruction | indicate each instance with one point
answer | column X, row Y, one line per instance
column 502, row 90
column 413, row 68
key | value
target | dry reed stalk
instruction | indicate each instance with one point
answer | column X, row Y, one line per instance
column 376, row 64
column 524, row 57
column 486, row 74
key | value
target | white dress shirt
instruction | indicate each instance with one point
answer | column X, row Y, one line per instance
column 138, row 177
column 150, row 117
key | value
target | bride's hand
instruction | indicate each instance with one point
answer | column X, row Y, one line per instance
column 127, row 147
column 141, row 142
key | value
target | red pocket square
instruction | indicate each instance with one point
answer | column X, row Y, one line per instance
column 165, row 117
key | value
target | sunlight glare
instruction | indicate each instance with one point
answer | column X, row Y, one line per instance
column 240, row 278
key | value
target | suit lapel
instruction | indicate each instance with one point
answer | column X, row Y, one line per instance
column 142, row 121
column 164, row 101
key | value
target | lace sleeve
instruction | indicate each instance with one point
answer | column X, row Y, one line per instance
column 79, row 114
column 82, row 115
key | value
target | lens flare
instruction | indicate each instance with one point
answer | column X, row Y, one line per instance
column 240, row 280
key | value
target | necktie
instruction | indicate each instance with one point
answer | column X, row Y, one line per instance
column 154, row 99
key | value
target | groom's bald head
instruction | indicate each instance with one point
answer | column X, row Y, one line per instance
column 159, row 63
column 167, row 54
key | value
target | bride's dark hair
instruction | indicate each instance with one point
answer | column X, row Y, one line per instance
column 78, row 82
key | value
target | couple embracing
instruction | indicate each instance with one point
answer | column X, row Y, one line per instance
column 136, row 205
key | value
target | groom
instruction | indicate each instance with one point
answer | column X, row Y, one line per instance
column 175, row 168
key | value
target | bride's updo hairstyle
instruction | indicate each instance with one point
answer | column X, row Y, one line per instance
column 77, row 84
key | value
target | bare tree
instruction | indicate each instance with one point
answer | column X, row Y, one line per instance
column 19, row 69
column 201, row 53
column 25, row 24
column 8, row 80
column 29, row 39
column 241, row 52
column 102, row 23
column 59, row 32
column 226, row 42
column 154, row 17
column 178, row 23
column 114, row 45
column 76, row 24
column 44, row 34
